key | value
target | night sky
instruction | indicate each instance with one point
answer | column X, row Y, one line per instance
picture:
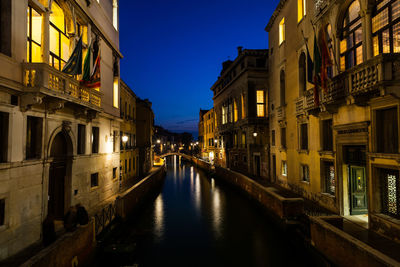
column 173, row 50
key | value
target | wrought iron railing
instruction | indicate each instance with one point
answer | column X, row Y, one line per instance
column 104, row 217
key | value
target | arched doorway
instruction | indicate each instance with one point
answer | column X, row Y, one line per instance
column 58, row 172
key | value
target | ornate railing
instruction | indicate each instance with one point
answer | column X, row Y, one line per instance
column 42, row 76
column 309, row 99
column 336, row 90
column 280, row 113
column 104, row 217
column 299, row 105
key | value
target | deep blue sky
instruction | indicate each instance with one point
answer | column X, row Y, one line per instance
column 173, row 50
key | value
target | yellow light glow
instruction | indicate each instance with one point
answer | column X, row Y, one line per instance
column 64, row 48
column 282, row 31
column 36, row 27
column 54, row 42
column 57, row 16
column 235, row 109
column 243, row 106
column 116, row 93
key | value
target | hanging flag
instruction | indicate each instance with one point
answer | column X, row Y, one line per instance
column 94, row 81
column 317, row 70
column 86, row 66
column 326, row 59
column 310, row 64
column 74, row 63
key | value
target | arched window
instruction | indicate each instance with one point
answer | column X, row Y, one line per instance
column 330, row 49
column 283, row 87
column 386, row 27
column 351, row 53
column 302, row 74
column 59, row 40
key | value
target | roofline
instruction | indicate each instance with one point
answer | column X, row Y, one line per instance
column 130, row 90
column 275, row 15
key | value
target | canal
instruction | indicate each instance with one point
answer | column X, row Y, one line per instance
column 197, row 221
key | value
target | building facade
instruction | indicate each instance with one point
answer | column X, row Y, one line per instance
column 201, row 140
column 208, row 135
column 57, row 142
column 241, row 114
column 338, row 143
column 144, row 137
column 129, row 155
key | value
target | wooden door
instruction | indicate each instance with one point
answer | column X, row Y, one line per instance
column 56, row 189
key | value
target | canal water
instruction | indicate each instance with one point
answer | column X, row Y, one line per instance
column 197, row 221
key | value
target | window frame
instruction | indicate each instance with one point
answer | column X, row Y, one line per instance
column 53, row 56
column 30, row 38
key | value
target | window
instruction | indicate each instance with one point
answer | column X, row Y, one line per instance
column 3, row 136
column 114, row 172
column 329, row 41
column 243, row 111
column 386, row 27
column 305, row 173
column 302, row 73
column 121, row 143
column 59, row 40
column 81, row 138
column 115, row 14
column 116, row 92
column 387, row 134
column 115, row 141
column 327, row 135
column 304, row 136
column 34, row 32
column 33, row 138
column 390, row 192
column 5, row 27
column 224, row 114
column 273, row 137
column 282, row 88
column 282, row 31
column 235, row 108
column 284, row 168
column 235, row 140
column 95, row 140
column 283, row 138
column 2, row 211
column 260, row 103
column 328, row 174
column 94, row 179
column 351, row 38
column 301, row 9
column 243, row 139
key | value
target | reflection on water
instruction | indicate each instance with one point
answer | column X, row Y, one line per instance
column 196, row 221
column 159, row 218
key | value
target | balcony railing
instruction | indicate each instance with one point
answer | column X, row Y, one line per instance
column 52, row 82
column 299, row 105
column 280, row 113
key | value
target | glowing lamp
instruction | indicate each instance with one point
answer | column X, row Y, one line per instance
column 124, row 138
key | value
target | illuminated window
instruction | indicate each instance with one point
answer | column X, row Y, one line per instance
column 224, row 114
column 386, row 27
column 328, row 169
column 260, row 103
column 115, row 14
column 284, row 168
column 301, row 9
column 59, row 41
column 243, row 139
column 115, row 93
column 235, row 110
column 34, row 50
column 243, row 111
column 351, row 38
column 282, row 31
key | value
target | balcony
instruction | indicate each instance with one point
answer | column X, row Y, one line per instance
column 41, row 78
column 280, row 113
column 300, row 105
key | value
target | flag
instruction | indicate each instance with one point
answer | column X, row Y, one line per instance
column 94, row 81
column 74, row 63
column 317, row 70
column 86, row 66
column 326, row 59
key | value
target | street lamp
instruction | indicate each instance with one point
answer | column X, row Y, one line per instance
column 158, row 141
column 255, row 134
column 124, row 138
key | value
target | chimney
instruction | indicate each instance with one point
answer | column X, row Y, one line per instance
column 239, row 49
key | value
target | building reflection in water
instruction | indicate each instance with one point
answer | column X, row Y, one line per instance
column 216, row 209
column 197, row 194
column 159, row 218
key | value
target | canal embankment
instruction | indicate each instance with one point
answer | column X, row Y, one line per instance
column 331, row 237
column 77, row 248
